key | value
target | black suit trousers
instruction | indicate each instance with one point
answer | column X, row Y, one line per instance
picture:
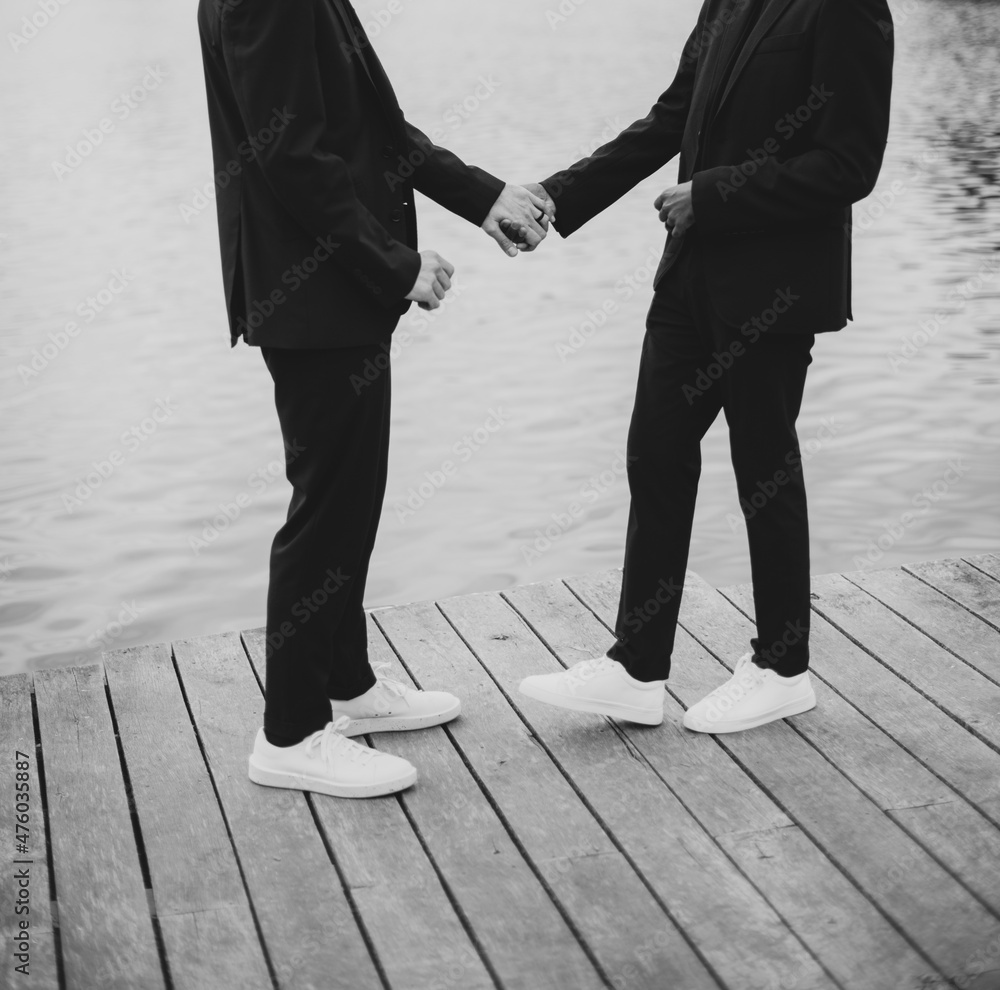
column 692, row 366
column 333, row 407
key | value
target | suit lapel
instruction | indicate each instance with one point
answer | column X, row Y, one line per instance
column 771, row 12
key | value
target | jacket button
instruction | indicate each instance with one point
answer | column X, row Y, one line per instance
column 395, row 216
column 387, row 151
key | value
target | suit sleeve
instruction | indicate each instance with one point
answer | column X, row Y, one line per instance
column 590, row 186
column 852, row 74
column 463, row 189
column 270, row 55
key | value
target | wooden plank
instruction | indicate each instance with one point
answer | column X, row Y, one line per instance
column 17, row 735
column 208, row 929
column 418, row 937
column 105, row 928
column 988, row 562
column 308, row 926
column 630, row 936
column 974, row 641
column 519, row 927
column 952, row 830
column 940, row 916
column 704, row 894
column 838, row 924
column 968, row 585
column 963, row 761
column 964, row 693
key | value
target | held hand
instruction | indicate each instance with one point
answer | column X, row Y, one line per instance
column 527, row 216
column 433, row 280
column 676, row 208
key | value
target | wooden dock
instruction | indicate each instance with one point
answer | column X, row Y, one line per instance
column 856, row 846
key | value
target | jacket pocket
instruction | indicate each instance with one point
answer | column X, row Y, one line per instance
column 781, row 43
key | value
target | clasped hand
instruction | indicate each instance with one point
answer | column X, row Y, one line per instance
column 520, row 218
column 676, row 208
column 517, row 221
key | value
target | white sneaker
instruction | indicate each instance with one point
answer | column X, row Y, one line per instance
column 391, row 705
column 752, row 696
column 602, row 686
column 327, row 762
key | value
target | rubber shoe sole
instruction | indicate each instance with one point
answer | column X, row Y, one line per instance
column 401, row 723
column 796, row 707
column 318, row 785
column 624, row 712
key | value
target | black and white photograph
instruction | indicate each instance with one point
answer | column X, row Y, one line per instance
column 500, row 495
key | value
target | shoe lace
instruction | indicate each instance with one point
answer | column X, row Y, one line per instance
column 583, row 671
column 746, row 676
column 381, row 671
column 332, row 743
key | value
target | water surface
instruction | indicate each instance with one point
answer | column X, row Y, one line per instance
column 899, row 423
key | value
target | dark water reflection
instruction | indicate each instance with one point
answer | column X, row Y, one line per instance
column 901, row 414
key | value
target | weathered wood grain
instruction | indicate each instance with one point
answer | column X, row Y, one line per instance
column 937, row 912
column 312, row 938
column 961, row 691
column 887, row 771
column 606, row 900
column 418, row 938
column 704, row 894
column 105, row 927
column 208, row 929
column 519, row 926
column 855, row 943
column 967, row 584
column 971, row 639
column 17, row 734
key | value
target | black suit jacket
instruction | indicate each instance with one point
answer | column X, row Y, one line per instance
column 315, row 170
column 777, row 152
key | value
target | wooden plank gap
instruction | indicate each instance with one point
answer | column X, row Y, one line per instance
column 456, row 906
column 140, row 844
column 222, row 811
column 924, row 632
column 971, row 729
column 602, row 824
column 501, row 817
column 950, row 597
column 359, row 920
column 50, row 866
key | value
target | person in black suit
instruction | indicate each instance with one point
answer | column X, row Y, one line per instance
column 316, row 168
column 780, row 113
